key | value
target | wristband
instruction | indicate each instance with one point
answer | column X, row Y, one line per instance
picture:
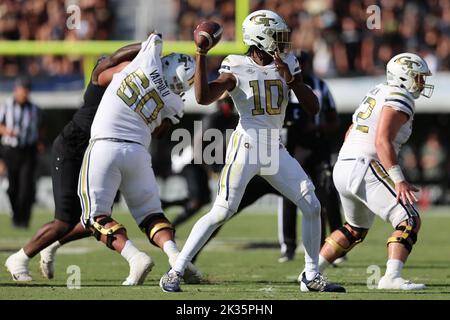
column 396, row 174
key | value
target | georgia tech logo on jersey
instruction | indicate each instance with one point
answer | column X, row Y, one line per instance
column 407, row 61
column 250, row 71
column 261, row 19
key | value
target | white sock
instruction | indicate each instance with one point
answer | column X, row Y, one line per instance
column 129, row 250
column 394, row 268
column 323, row 263
column 21, row 255
column 200, row 233
column 310, row 207
column 170, row 248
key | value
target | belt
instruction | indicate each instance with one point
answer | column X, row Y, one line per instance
column 117, row 140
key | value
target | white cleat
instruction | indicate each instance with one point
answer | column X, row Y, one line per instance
column 46, row 264
column 18, row 269
column 47, row 269
column 191, row 273
column 140, row 266
column 398, row 283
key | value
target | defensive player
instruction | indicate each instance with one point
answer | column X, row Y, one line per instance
column 258, row 84
column 138, row 100
column 367, row 174
column 67, row 152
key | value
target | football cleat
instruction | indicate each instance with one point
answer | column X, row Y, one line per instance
column 319, row 284
column 140, row 266
column 170, row 281
column 398, row 283
column 18, row 269
column 339, row 261
column 47, row 268
column 191, row 273
column 46, row 264
column 285, row 257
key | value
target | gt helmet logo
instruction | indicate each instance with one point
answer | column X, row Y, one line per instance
column 407, row 61
column 261, row 19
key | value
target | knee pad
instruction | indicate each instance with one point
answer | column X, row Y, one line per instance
column 309, row 205
column 361, row 234
column 408, row 237
column 153, row 224
column 98, row 228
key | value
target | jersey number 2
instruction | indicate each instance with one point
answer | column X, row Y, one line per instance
column 129, row 82
column 370, row 102
column 268, row 84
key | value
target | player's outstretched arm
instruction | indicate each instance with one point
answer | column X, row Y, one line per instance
column 126, row 53
column 206, row 93
column 388, row 126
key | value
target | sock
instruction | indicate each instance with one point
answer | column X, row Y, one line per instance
column 323, row 263
column 48, row 254
column 394, row 268
column 21, row 255
column 170, row 248
column 311, row 229
column 201, row 232
column 129, row 250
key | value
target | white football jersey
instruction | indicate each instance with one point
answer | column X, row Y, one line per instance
column 137, row 99
column 261, row 94
column 361, row 138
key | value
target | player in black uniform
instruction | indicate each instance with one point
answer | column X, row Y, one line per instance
column 68, row 150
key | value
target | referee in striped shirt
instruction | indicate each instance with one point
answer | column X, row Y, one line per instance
column 19, row 130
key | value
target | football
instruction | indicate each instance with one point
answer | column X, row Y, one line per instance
column 207, row 34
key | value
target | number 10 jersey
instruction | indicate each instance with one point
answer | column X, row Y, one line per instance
column 260, row 94
column 361, row 138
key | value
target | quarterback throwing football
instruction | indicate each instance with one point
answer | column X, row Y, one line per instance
column 259, row 84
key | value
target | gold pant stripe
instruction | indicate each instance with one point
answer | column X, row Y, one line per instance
column 382, row 173
column 230, row 157
column 83, row 184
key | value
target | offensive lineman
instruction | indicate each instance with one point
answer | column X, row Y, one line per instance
column 258, row 84
column 67, row 152
column 367, row 175
column 138, row 100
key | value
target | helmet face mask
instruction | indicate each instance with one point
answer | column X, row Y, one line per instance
column 178, row 72
column 267, row 31
column 423, row 88
column 409, row 71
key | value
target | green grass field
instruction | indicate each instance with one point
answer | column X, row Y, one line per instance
column 241, row 263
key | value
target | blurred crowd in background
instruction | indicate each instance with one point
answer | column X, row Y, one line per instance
column 46, row 20
column 333, row 31
column 336, row 30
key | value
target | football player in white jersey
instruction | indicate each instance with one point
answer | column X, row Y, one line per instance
column 139, row 101
column 367, row 174
column 258, row 83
